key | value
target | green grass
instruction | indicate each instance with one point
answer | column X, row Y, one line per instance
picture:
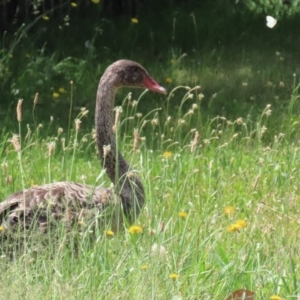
column 236, row 163
column 247, row 156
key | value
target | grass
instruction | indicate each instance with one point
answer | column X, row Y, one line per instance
column 246, row 159
column 187, row 235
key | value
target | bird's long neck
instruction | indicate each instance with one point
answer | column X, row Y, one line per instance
column 130, row 189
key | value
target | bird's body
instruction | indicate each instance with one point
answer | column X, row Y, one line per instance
column 68, row 202
column 74, row 202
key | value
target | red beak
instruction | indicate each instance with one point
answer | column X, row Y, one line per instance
column 150, row 84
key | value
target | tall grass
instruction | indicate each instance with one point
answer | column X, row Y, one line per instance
column 190, row 247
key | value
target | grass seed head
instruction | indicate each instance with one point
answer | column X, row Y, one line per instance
column 158, row 250
column 16, row 142
column 106, row 150
column 36, row 99
column 77, row 124
column 60, row 131
column 51, row 147
column 200, row 97
column 19, row 110
column 117, row 118
column 195, row 142
column 136, row 140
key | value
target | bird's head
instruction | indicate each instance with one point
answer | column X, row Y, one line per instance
column 131, row 74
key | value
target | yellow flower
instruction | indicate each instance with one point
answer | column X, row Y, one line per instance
column 172, row 61
column 144, row 267
column 233, row 227
column 46, row 18
column 229, row 210
column 73, row 4
column 167, row 154
column 10, row 56
column 275, row 297
column 174, row 276
column 168, row 80
column 134, row 20
column 55, row 95
column 109, row 233
column 135, row 229
column 96, row 1
column 241, row 223
column 62, row 90
column 1, row 228
column 237, row 226
column 183, row 214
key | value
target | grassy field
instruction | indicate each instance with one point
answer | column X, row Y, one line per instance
column 218, row 156
column 221, row 212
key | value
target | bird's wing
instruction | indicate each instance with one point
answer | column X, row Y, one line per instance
column 61, row 200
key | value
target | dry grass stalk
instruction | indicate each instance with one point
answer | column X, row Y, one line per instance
column 256, row 181
column 136, row 140
column 19, row 110
column 63, row 142
column 28, row 132
column 195, row 142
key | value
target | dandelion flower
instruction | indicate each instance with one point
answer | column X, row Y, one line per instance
column 46, row 18
column 229, row 210
column 62, row 90
column 135, row 229
column 172, row 61
column 167, row 154
column 135, row 20
column 144, row 267
column 96, row 1
column 237, row 226
column 233, row 228
column 109, row 233
column 241, row 223
column 174, row 276
column 275, row 297
column 1, row 228
column 73, row 4
column 168, row 80
column 55, row 95
column 183, row 214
